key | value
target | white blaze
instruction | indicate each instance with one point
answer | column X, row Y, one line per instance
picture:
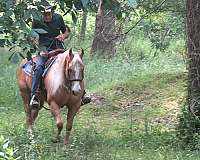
column 76, row 88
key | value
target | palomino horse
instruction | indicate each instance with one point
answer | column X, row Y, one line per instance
column 64, row 87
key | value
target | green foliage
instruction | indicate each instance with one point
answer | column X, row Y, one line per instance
column 159, row 25
column 16, row 16
column 132, row 122
column 188, row 129
column 128, row 125
column 6, row 152
column 15, row 24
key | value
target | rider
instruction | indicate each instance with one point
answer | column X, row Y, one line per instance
column 54, row 33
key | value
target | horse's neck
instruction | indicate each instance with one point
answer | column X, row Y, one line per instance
column 60, row 66
column 56, row 76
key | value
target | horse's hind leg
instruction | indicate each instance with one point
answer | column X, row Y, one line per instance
column 70, row 117
column 55, row 110
column 31, row 115
column 25, row 94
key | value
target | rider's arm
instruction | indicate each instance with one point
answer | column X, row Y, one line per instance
column 64, row 29
column 63, row 36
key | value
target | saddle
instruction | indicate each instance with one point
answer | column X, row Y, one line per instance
column 29, row 66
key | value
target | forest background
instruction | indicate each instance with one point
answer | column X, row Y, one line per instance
column 136, row 71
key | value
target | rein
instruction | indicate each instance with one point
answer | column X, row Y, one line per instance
column 56, row 40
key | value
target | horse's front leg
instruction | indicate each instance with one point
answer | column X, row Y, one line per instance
column 55, row 110
column 70, row 117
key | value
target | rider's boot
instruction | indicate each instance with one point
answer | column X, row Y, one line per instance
column 85, row 99
column 35, row 100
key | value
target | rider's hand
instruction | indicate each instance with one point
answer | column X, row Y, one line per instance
column 61, row 37
column 44, row 54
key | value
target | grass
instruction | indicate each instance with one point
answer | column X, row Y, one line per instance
column 135, row 121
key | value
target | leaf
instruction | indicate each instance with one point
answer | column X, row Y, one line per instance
column 67, row 12
column 78, row 5
column 9, row 13
column 62, row 5
column 8, row 42
column 85, row 3
column 25, row 27
column 2, row 42
column 11, row 48
column 119, row 15
column 42, row 3
column 2, row 19
column 1, row 30
column 132, row 3
column 28, row 55
column 21, row 55
column 15, row 59
column 10, row 57
column 69, row 3
column 36, row 14
column 9, row 4
column 5, row 145
column 2, row 154
column 74, row 17
column 27, row 14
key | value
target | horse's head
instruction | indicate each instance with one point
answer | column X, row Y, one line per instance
column 75, row 71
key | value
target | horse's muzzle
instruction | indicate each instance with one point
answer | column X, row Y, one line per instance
column 76, row 93
column 76, row 90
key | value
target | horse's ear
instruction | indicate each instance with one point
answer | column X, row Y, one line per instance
column 70, row 51
column 81, row 53
column 71, row 56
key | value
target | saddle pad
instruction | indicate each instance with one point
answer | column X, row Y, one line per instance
column 27, row 67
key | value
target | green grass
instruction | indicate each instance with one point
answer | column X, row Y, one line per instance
column 136, row 120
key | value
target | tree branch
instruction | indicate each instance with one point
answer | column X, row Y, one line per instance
column 156, row 8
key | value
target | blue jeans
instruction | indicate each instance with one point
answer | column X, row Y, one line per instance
column 40, row 67
column 37, row 76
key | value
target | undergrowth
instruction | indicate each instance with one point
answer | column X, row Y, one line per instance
column 136, row 119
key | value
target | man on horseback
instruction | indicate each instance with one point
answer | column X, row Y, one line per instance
column 54, row 33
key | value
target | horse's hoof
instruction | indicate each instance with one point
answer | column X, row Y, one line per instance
column 56, row 140
column 66, row 142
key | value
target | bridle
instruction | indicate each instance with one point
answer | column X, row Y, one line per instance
column 75, row 79
column 56, row 41
column 69, row 79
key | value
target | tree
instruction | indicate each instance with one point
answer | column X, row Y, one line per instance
column 15, row 18
column 193, row 46
column 189, row 126
column 83, row 25
column 103, row 42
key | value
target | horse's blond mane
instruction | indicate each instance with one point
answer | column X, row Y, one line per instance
column 65, row 55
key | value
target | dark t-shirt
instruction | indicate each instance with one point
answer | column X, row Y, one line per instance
column 53, row 28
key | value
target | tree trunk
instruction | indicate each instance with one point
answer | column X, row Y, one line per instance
column 83, row 25
column 193, row 46
column 103, row 42
column 188, row 129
